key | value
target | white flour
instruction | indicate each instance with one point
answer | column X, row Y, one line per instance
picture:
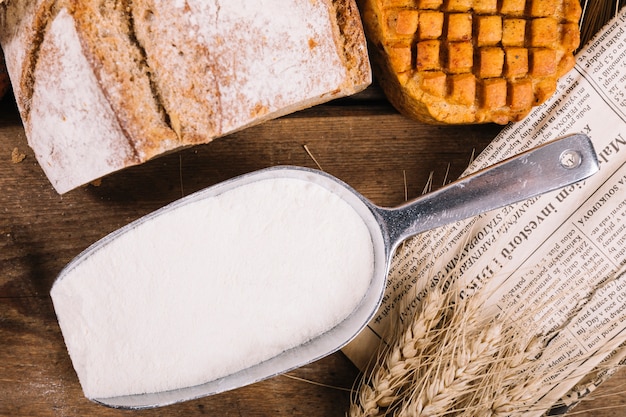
column 213, row 287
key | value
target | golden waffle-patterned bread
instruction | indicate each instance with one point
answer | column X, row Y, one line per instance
column 470, row 61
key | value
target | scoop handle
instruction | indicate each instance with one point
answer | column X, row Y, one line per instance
column 545, row 168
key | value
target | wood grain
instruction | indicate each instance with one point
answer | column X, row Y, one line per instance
column 360, row 140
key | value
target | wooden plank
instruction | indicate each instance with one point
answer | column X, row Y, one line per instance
column 361, row 140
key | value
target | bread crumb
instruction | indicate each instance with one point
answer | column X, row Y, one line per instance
column 17, row 156
column 96, row 183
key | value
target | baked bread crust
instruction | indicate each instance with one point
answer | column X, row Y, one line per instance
column 104, row 84
column 470, row 61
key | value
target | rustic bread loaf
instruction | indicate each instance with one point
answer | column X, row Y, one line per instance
column 103, row 85
column 470, row 61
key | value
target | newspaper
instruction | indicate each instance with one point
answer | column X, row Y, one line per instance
column 563, row 253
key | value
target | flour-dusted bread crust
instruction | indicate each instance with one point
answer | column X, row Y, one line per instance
column 72, row 127
column 103, row 85
column 470, row 61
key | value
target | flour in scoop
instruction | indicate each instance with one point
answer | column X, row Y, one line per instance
column 212, row 287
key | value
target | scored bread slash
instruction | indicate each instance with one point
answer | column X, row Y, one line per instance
column 105, row 85
column 5, row 83
column 470, row 61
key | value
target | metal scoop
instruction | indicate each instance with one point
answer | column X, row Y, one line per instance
column 545, row 168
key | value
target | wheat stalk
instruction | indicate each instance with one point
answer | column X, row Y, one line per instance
column 392, row 375
column 453, row 359
column 595, row 14
column 457, row 371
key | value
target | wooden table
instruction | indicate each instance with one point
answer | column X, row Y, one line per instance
column 361, row 140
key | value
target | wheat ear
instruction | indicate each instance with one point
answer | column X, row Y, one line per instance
column 453, row 359
column 392, row 375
